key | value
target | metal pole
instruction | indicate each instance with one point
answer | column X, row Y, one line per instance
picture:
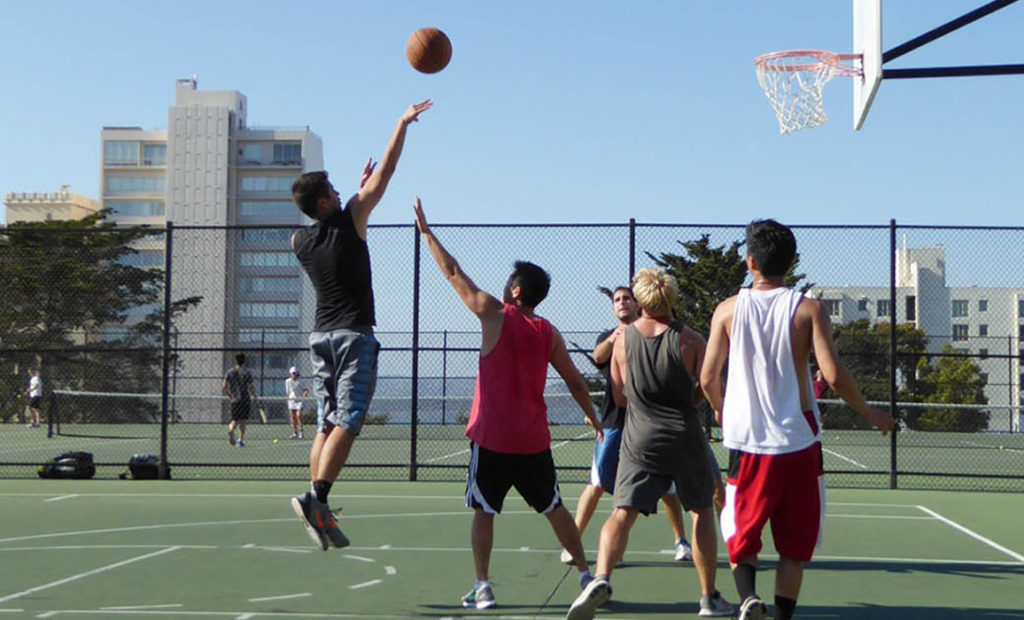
column 263, row 354
column 1009, row 380
column 632, row 249
column 162, row 470
column 414, row 409
column 444, row 376
column 892, row 350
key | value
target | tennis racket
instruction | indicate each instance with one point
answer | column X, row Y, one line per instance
column 263, row 415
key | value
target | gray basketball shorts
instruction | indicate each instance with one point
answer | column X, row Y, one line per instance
column 344, row 376
column 640, row 488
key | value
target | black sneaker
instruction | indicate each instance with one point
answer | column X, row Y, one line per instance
column 328, row 524
column 304, row 506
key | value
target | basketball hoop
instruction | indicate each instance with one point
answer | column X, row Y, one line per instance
column 793, row 81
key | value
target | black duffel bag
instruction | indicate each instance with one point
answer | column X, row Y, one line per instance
column 73, row 465
column 144, row 467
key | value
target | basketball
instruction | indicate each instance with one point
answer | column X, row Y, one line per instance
column 428, row 50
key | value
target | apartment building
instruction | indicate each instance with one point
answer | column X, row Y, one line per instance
column 209, row 168
column 47, row 206
column 982, row 321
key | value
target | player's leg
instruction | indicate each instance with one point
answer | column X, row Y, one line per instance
column 674, row 512
column 487, row 483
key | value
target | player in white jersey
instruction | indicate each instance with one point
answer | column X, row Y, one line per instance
column 769, row 416
column 295, row 390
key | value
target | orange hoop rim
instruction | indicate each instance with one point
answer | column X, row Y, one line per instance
column 770, row 62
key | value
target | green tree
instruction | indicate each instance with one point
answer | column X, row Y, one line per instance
column 71, row 295
column 864, row 349
column 950, row 379
column 708, row 275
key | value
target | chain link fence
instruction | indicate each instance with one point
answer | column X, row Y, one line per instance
column 130, row 366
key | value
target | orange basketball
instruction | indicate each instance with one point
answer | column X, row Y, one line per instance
column 428, row 50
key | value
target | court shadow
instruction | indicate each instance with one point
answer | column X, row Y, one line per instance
column 876, row 612
column 976, row 570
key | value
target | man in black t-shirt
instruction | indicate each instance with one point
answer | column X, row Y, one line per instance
column 335, row 256
column 238, row 387
column 612, row 417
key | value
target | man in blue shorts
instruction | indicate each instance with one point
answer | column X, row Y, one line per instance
column 335, row 256
column 612, row 418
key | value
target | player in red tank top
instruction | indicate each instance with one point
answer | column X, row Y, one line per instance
column 508, row 426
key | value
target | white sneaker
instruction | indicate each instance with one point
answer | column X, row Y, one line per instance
column 294, row 436
column 753, row 609
column 683, row 551
column 593, row 596
column 481, row 598
column 566, row 557
column 300, row 435
column 717, row 607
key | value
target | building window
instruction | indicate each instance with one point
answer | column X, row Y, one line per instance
column 121, row 153
column 128, row 185
column 960, row 332
column 911, row 308
column 154, row 154
column 136, row 209
column 882, row 308
column 268, row 311
column 832, row 305
column 1020, row 332
column 142, row 259
column 267, row 209
column 269, row 285
column 862, row 305
column 983, row 330
column 268, row 234
column 288, row 154
column 983, row 353
column 267, row 259
column 266, row 336
column 267, row 184
column 982, row 305
column 959, row 308
column 252, row 153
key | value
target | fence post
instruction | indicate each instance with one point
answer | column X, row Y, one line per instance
column 166, row 344
column 444, row 375
column 414, row 403
column 1009, row 383
column 263, row 355
column 632, row 249
column 892, row 351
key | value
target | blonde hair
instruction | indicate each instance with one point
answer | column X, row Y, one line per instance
column 655, row 291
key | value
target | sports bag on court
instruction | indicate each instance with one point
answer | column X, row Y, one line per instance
column 144, row 467
column 76, row 465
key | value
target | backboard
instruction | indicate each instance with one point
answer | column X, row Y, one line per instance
column 867, row 41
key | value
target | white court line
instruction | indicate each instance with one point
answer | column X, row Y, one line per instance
column 366, row 584
column 280, row 598
column 96, row 547
column 11, row 611
column 390, row 570
column 234, row 495
column 466, row 450
column 568, row 441
column 894, row 517
column 972, row 534
column 840, row 456
column 359, row 558
column 57, row 499
column 95, row 571
column 139, row 607
column 284, row 549
column 135, row 528
column 237, row 614
column 991, row 447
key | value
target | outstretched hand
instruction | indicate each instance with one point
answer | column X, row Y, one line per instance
column 413, row 113
column 421, row 219
column 367, row 172
column 882, row 420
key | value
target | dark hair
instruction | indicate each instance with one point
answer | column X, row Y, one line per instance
column 308, row 189
column 533, row 281
column 240, row 359
column 772, row 245
column 623, row 288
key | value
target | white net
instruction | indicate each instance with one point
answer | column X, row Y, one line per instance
column 794, row 82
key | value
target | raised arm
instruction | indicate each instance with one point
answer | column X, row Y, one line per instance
column 837, row 376
column 375, row 181
column 603, row 350
column 479, row 303
column 715, row 354
column 574, row 381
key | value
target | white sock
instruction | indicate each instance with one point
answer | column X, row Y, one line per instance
column 481, row 583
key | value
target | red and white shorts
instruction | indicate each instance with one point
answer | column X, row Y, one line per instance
column 787, row 489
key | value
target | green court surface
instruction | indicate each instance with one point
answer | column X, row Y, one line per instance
column 205, row 549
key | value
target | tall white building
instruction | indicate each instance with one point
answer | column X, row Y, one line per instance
column 976, row 320
column 209, row 168
column 47, row 206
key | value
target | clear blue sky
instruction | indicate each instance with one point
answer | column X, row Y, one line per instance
column 567, row 111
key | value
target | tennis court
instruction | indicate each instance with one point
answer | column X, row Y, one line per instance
column 234, row 549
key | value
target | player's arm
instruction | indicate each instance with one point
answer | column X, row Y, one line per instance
column 482, row 304
column 836, row 374
column 694, row 349
column 224, row 387
column 376, row 178
column 573, row 380
column 617, row 372
column 603, row 350
column 715, row 354
column 252, row 389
